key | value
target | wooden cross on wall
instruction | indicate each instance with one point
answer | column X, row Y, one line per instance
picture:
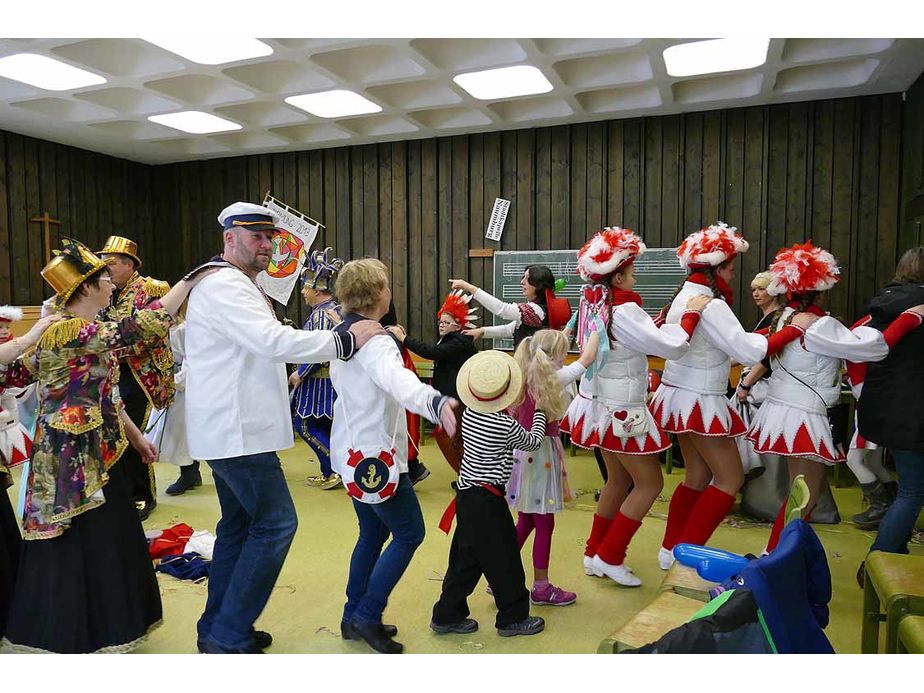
column 46, row 222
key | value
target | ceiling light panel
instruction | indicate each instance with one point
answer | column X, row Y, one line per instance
column 46, row 73
column 717, row 55
column 214, row 51
column 504, row 82
column 336, row 103
column 194, row 122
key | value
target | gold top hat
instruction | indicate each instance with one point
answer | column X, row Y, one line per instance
column 70, row 267
column 489, row 381
column 118, row 244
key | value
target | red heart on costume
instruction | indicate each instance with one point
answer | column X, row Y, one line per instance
column 621, row 415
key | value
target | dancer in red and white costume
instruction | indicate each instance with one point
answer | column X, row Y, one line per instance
column 691, row 400
column 610, row 411
column 805, row 381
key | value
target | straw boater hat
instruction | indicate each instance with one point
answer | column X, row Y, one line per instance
column 802, row 268
column 608, row 251
column 710, row 247
column 123, row 246
column 489, row 381
column 70, row 267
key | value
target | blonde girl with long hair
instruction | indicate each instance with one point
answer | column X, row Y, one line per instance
column 538, row 486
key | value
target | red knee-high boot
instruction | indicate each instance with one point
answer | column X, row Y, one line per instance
column 612, row 549
column 598, row 530
column 682, row 503
column 710, row 510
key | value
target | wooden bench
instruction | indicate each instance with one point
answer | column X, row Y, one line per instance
column 893, row 588
column 911, row 635
column 668, row 611
column 686, row 582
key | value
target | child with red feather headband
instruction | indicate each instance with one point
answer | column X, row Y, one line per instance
column 448, row 354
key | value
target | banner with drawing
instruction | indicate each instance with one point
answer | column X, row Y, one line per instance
column 290, row 250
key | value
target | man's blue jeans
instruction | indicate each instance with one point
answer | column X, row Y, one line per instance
column 898, row 524
column 374, row 576
column 256, row 528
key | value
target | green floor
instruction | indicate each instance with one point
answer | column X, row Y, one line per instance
column 304, row 611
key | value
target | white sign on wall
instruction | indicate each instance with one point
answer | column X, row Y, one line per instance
column 498, row 217
column 290, row 250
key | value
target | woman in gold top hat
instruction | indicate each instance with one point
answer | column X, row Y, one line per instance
column 85, row 581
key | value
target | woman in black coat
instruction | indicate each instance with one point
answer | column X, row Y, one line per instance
column 892, row 400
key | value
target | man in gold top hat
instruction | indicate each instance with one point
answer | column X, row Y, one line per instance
column 146, row 370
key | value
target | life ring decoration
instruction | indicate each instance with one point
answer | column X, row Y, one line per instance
column 371, row 479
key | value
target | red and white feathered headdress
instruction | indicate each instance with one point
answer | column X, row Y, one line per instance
column 711, row 246
column 801, row 269
column 457, row 305
column 10, row 313
column 607, row 252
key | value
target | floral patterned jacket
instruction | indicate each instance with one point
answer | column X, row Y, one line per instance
column 79, row 434
column 151, row 360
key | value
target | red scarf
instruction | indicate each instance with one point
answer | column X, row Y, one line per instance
column 813, row 309
column 720, row 284
column 620, row 296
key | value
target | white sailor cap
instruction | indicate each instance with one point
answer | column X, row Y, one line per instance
column 248, row 216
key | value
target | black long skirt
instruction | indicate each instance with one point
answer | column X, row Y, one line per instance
column 91, row 589
column 10, row 542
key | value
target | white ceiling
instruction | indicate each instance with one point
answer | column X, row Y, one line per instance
column 593, row 78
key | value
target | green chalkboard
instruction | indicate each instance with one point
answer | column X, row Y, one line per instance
column 657, row 271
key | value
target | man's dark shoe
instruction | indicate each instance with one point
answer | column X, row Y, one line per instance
column 528, row 626
column 145, row 508
column 378, row 641
column 209, row 647
column 346, row 630
column 468, row 625
column 417, row 471
column 189, row 478
column 261, row 640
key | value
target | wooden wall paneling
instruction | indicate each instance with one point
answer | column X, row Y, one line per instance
column 476, row 208
column 63, row 183
column 370, row 200
column 443, row 215
column 5, row 231
column 889, row 191
column 19, row 219
column 735, row 140
column 233, row 181
column 842, row 204
column 429, row 249
column 579, row 228
column 343, row 184
column 459, row 218
column 633, row 132
column 264, row 176
column 120, row 174
column 385, row 234
column 776, row 178
column 543, row 197
column 357, row 216
column 596, row 179
column 712, row 171
column 652, row 166
column 525, row 222
column 822, row 174
column 752, row 261
column 415, row 256
column 796, row 179
column 399, row 228
column 560, row 187
column 33, row 209
column 91, row 231
column 671, row 180
column 692, row 174
column 614, row 174
column 508, row 188
column 863, row 264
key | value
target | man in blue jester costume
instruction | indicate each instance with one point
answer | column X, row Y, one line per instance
column 312, row 393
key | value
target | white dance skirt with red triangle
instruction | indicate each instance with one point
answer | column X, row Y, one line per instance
column 784, row 430
column 15, row 444
column 685, row 411
column 858, row 442
column 590, row 425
